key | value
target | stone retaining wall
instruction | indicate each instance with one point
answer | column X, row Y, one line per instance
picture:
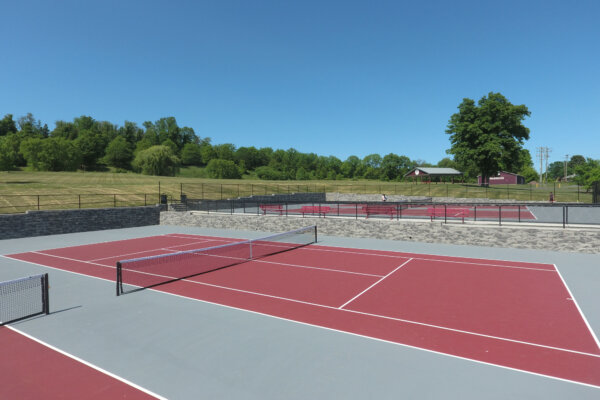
column 52, row 222
column 545, row 238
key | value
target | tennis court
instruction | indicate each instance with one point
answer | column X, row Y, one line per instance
column 513, row 316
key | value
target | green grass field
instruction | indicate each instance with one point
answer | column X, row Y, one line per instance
column 23, row 190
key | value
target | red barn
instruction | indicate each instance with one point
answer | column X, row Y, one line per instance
column 503, row 178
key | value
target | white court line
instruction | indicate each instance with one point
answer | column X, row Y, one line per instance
column 89, row 364
column 531, row 212
column 374, row 284
column 316, row 248
column 578, row 308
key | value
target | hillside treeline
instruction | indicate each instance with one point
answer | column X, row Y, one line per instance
column 162, row 147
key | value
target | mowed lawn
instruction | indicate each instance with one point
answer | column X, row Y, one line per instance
column 24, row 190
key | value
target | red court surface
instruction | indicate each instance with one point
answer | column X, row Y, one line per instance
column 36, row 371
column 514, row 315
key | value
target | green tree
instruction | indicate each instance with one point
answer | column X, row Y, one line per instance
column 489, row 136
column 208, row 153
column 576, row 161
column 222, row 169
column 447, row 162
column 225, row 151
column 302, row 175
column 29, row 127
column 170, row 144
column 556, row 170
column 119, row 153
column 167, row 128
column 191, row 154
column 350, row 167
column 131, row 132
column 250, row 156
column 31, row 148
column 7, row 125
column 156, row 160
column 52, row 154
column 9, row 151
column 92, row 147
column 529, row 173
column 393, row 167
column 66, row 130
column 588, row 173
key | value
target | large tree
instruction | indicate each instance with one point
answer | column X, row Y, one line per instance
column 488, row 136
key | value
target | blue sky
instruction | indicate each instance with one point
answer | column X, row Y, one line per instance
column 330, row 77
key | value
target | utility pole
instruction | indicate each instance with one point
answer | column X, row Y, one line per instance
column 542, row 154
column 539, row 154
column 547, row 150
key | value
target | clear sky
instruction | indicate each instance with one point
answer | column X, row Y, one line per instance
column 330, row 77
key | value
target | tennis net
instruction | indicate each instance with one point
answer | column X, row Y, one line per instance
column 146, row 272
column 24, row 298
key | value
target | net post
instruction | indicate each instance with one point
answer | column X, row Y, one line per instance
column 119, row 278
column 46, row 294
column 315, row 234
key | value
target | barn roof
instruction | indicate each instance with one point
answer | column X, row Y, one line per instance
column 434, row 171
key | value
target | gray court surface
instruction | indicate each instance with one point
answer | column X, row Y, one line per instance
column 187, row 349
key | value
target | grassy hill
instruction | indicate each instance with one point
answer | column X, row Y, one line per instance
column 24, row 190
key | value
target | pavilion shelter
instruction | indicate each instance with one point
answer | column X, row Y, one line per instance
column 426, row 174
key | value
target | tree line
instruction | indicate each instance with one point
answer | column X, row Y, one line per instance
column 485, row 137
column 162, row 147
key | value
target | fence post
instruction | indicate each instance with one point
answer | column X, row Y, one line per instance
column 79, row 200
column 38, row 201
column 114, row 200
column 445, row 213
column 564, row 217
column 530, row 192
column 499, row 215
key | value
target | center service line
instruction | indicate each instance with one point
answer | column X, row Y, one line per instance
column 355, row 297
